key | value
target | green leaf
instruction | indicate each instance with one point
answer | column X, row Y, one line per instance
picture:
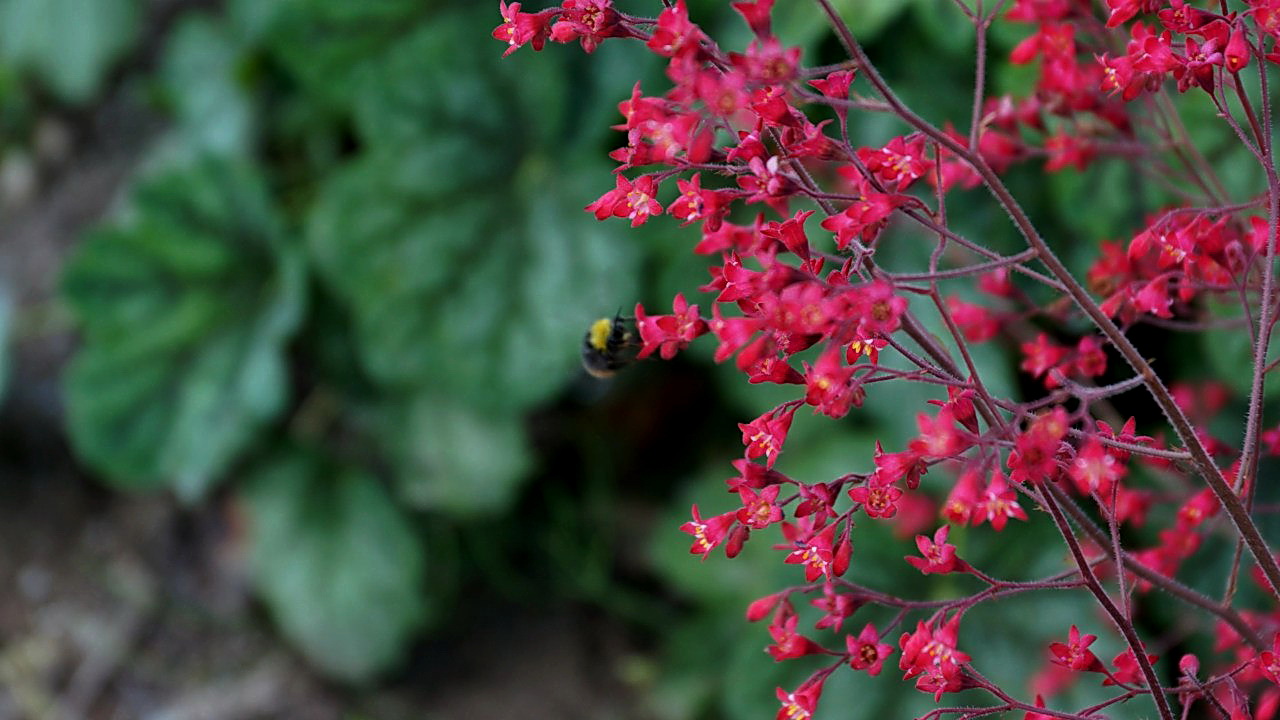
column 950, row 33
column 804, row 24
column 185, row 310
column 454, row 459
column 325, row 43
column 68, row 44
column 1229, row 351
column 462, row 283
column 337, row 563
column 200, row 74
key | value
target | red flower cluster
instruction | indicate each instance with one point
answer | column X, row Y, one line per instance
column 805, row 302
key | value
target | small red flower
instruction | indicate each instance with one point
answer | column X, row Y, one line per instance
column 668, row 334
column 817, row 554
column 998, row 503
column 939, row 555
column 977, row 323
column 866, row 652
column 1034, row 457
column 829, row 386
column 1238, row 50
column 521, row 28
column 899, row 163
column 877, row 499
column 1095, row 470
column 765, row 436
column 674, row 33
column 1075, row 653
column 587, row 21
column 1041, row 354
column 708, row 534
column 906, row 466
column 1127, row 669
column 836, row 84
column 787, row 643
column 1035, row 715
column 801, row 704
column 939, row 437
column 835, row 606
column 962, row 502
column 1268, row 661
column 758, row 509
column 932, row 655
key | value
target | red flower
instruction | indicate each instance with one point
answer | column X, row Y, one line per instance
column 905, row 466
column 756, row 13
column 864, row 218
column 962, row 502
column 1127, row 669
column 1095, row 470
column 933, row 654
column 1268, row 661
column 1035, row 450
column 1238, row 50
column 899, row 163
column 836, row 606
column 960, row 403
column 866, row 652
column 707, row 534
column 817, row 554
column 1075, row 653
column 636, row 200
column 1035, row 715
column 758, row 509
column 733, row 332
column 668, row 334
column 835, row 85
column 787, row 643
column 801, row 704
column 765, row 436
column 939, row 437
column 674, row 34
column 520, row 28
column 1067, row 150
column 997, row 504
column 939, row 555
column 976, row 322
column 877, row 498
column 588, row 21
column 828, row 385
column 1041, row 354
column 767, row 183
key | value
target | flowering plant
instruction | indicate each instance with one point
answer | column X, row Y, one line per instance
column 811, row 303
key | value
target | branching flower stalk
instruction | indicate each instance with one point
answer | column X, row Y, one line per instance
column 814, row 308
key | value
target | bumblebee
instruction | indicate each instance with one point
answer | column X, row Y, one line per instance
column 609, row 345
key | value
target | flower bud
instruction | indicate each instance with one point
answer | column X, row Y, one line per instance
column 1189, row 665
column 758, row 609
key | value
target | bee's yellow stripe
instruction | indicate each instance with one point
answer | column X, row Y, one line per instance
column 599, row 335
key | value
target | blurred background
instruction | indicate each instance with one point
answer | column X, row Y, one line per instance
column 292, row 422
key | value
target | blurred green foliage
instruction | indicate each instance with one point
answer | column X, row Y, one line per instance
column 336, row 560
column 67, row 45
column 185, row 308
column 362, row 233
column 357, row 263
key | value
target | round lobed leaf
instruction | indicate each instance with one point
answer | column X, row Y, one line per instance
column 185, row 311
column 337, row 563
